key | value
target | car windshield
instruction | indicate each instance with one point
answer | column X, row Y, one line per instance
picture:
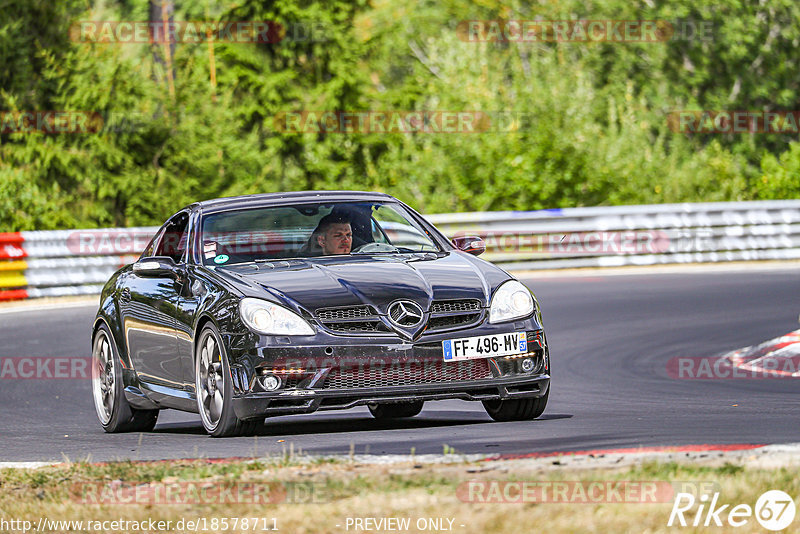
column 311, row 230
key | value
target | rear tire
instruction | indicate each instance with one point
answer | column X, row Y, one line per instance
column 516, row 409
column 395, row 411
column 214, row 388
column 113, row 410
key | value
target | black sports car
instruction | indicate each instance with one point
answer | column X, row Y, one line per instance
column 242, row 308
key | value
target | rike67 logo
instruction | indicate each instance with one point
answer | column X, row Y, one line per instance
column 774, row 510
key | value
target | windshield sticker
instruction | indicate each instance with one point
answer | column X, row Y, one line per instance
column 222, row 258
column 209, row 250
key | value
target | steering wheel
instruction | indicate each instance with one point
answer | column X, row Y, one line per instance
column 374, row 247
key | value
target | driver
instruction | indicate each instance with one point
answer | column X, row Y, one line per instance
column 334, row 234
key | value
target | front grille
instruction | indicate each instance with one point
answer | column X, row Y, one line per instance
column 350, row 312
column 444, row 315
column 448, row 314
column 351, row 320
column 408, row 373
column 453, row 306
column 452, row 321
column 357, row 326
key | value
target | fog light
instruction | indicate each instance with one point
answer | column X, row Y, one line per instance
column 270, row 382
column 527, row 365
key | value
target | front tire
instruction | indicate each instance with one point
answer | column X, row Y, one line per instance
column 108, row 390
column 516, row 409
column 395, row 411
column 214, row 387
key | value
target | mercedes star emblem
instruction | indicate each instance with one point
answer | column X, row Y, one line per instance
column 405, row 313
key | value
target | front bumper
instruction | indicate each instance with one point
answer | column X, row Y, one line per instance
column 415, row 372
column 259, row 405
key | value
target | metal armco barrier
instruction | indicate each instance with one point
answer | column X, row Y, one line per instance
column 65, row 262
column 634, row 235
column 78, row 262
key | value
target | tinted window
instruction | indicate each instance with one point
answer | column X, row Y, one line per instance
column 151, row 247
column 175, row 238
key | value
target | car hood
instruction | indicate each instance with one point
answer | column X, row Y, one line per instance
column 376, row 280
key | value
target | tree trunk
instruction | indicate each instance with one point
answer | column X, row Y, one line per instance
column 161, row 13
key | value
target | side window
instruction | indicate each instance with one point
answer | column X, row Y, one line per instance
column 175, row 239
column 377, row 234
column 151, row 247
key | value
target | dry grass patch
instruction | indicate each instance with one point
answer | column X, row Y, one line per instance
column 319, row 496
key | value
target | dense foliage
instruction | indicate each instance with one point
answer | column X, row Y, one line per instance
column 593, row 127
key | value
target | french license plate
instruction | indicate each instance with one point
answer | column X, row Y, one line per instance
column 471, row 348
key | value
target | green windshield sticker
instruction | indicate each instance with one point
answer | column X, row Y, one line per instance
column 222, row 258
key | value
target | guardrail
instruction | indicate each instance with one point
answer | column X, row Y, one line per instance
column 634, row 235
column 76, row 262
column 65, row 262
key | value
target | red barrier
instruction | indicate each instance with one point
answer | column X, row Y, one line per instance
column 11, row 246
column 14, row 294
column 11, row 237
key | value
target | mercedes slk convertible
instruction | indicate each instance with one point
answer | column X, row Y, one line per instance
column 287, row 303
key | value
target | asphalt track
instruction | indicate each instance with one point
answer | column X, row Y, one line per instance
column 611, row 338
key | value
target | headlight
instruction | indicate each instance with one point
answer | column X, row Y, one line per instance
column 265, row 317
column 512, row 300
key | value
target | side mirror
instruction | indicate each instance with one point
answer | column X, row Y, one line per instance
column 155, row 266
column 471, row 244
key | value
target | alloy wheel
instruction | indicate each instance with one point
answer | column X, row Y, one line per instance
column 103, row 377
column 210, row 381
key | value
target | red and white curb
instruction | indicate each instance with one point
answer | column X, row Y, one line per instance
column 779, row 357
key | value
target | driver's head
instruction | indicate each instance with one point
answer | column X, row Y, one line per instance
column 334, row 235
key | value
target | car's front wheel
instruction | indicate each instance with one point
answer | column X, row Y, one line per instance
column 395, row 411
column 108, row 390
column 516, row 409
column 214, row 387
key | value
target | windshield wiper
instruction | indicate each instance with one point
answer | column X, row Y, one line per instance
column 377, row 248
column 386, row 248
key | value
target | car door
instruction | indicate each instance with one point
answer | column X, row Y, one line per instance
column 149, row 315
